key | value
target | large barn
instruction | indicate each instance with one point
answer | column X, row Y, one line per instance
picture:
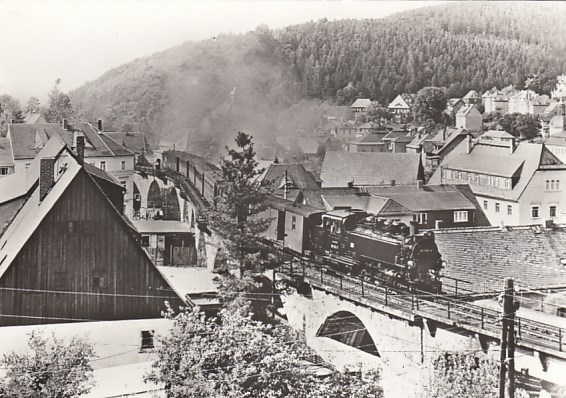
column 67, row 253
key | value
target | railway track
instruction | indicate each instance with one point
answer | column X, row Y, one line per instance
column 446, row 309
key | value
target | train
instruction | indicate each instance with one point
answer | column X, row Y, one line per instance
column 346, row 241
column 385, row 251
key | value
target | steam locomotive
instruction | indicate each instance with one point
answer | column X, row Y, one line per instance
column 389, row 253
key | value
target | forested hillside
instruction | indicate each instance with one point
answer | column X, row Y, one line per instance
column 272, row 83
column 459, row 46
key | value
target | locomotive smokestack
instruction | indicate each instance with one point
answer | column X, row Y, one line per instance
column 413, row 228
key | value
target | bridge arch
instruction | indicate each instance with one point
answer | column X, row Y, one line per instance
column 154, row 199
column 347, row 328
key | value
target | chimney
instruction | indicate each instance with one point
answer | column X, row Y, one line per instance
column 392, row 183
column 444, row 134
column 46, row 175
column 468, row 143
column 99, row 124
column 512, row 145
column 437, row 224
column 64, row 124
column 81, row 149
column 420, row 184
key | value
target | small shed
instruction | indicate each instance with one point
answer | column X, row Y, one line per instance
column 168, row 242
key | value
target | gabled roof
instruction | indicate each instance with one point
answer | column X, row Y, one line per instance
column 6, row 152
column 496, row 135
column 27, row 139
column 23, row 137
column 296, row 175
column 361, row 103
column 34, row 118
column 308, row 145
column 134, row 141
column 374, row 138
column 472, row 94
column 370, row 168
column 530, row 255
column 468, row 110
column 399, row 103
column 495, row 158
column 429, row 198
column 398, row 136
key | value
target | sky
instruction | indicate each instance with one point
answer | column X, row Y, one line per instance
column 79, row 40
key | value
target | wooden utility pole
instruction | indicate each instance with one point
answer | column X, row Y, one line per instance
column 508, row 341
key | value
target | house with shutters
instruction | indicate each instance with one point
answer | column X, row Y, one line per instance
column 361, row 105
column 497, row 101
column 515, row 183
column 527, row 102
column 67, row 252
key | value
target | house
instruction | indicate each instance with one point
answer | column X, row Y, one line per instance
column 440, row 145
column 288, row 180
column 472, row 98
column 559, row 93
column 370, row 142
column 100, row 150
column 6, row 160
column 527, row 102
column 453, row 105
column 557, row 145
column 432, row 207
column 418, row 141
column 67, row 252
column 361, row 105
column 168, row 242
column 345, row 131
column 498, row 135
column 469, row 118
column 401, row 107
column 359, row 169
column 516, row 184
column 497, row 101
column 397, row 141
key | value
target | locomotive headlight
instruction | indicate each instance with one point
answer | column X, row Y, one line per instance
column 411, row 263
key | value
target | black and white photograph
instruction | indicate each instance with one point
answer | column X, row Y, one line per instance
column 282, row 199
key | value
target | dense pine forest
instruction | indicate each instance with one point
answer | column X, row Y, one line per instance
column 273, row 83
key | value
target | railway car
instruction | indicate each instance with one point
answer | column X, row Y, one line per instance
column 390, row 253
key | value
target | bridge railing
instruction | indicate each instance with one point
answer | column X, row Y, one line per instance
column 452, row 309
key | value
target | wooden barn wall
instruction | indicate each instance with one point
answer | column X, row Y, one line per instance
column 55, row 271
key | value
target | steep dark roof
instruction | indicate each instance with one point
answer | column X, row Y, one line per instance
column 530, row 255
column 23, row 137
column 134, row 141
column 297, row 176
column 370, row 168
column 5, row 152
column 116, row 148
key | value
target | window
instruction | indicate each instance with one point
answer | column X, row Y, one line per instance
column 496, row 207
column 3, row 171
column 145, row 240
column 535, row 212
column 293, row 223
column 547, row 185
column 561, row 312
column 460, row 216
column 27, row 165
column 123, row 165
column 485, row 204
column 552, row 211
column 509, row 210
column 147, row 340
column 102, row 165
column 123, row 184
column 99, row 280
column 552, row 185
column 507, row 183
column 557, row 185
column 421, row 218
